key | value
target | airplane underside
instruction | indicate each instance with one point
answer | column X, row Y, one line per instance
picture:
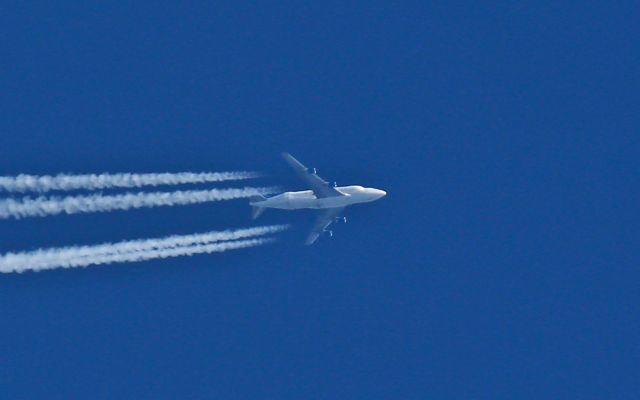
column 332, row 200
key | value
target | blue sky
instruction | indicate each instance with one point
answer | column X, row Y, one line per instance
column 502, row 264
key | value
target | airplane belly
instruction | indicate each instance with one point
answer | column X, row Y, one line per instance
column 293, row 201
column 303, row 203
column 332, row 202
column 306, row 199
column 329, row 202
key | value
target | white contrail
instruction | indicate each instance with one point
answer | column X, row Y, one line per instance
column 46, row 258
column 45, row 183
column 170, row 252
column 42, row 206
column 148, row 255
column 132, row 250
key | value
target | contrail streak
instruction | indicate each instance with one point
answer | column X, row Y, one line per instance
column 45, row 258
column 43, row 206
column 45, row 183
column 133, row 250
column 171, row 252
column 150, row 254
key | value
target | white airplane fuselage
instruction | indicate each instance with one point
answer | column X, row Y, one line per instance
column 306, row 199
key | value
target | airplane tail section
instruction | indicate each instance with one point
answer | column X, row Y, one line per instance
column 256, row 209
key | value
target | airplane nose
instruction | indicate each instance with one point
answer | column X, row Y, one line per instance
column 382, row 193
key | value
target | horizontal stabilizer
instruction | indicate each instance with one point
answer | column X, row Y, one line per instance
column 256, row 210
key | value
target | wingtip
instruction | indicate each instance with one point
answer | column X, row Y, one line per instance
column 311, row 240
column 292, row 161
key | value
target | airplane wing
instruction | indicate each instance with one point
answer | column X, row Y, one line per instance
column 323, row 221
column 320, row 187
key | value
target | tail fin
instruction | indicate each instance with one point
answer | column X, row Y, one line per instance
column 256, row 210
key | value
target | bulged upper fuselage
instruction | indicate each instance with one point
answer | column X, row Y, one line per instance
column 306, row 199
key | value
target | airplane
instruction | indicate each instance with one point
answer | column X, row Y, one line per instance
column 331, row 200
